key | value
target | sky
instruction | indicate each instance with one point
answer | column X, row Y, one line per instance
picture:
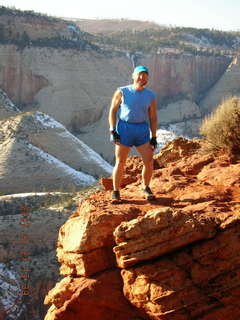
column 213, row 14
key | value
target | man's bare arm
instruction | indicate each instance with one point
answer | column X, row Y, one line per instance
column 116, row 100
column 153, row 117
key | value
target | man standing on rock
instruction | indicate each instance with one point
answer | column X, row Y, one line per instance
column 132, row 116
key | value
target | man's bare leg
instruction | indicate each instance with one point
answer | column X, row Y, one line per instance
column 146, row 153
column 121, row 153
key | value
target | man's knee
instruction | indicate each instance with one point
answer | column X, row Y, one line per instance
column 148, row 162
column 120, row 162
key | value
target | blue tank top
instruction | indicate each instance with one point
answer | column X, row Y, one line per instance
column 135, row 104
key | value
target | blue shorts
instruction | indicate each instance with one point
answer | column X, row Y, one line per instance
column 133, row 134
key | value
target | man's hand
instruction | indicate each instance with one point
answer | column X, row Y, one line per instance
column 153, row 142
column 114, row 137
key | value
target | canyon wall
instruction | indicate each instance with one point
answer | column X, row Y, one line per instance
column 184, row 76
column 76, row 86
column 228, row 85
column 72, row 86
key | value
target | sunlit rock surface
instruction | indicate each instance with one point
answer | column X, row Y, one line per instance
column 178, row 255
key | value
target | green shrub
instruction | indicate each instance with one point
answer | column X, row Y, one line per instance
column 222, row 128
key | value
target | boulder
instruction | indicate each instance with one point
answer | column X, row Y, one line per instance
column 176, row 150
column 90, row 250
column 97, row 298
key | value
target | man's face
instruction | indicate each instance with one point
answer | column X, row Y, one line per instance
column 140, row 78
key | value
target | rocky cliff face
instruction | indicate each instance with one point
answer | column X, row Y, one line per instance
column 72, row 86
column 175, row 258
column 184, row 76
column 7, row 108
column 228, row 85
column 75, row 87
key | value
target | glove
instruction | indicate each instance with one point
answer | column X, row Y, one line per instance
column 114, row 137
column 153, row 142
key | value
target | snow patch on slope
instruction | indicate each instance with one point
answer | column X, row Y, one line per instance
column 8, row 105
column 165, row 136
column 10, row 292
column 201, row 41
column 48, row 121
column 89, row 153
column 77, row 176
column 85, row 151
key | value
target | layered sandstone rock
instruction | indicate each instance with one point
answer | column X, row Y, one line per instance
column 96, row 298
column 176, row 150
column 178, row 255
column 90, row 251
column 151, row 236
column 199, row 283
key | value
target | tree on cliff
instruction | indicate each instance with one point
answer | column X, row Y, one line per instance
column 24, row 39
column 2, row 32
column 221, row 129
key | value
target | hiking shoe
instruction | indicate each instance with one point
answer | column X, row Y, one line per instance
column 148, row 193
column 116, row 197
